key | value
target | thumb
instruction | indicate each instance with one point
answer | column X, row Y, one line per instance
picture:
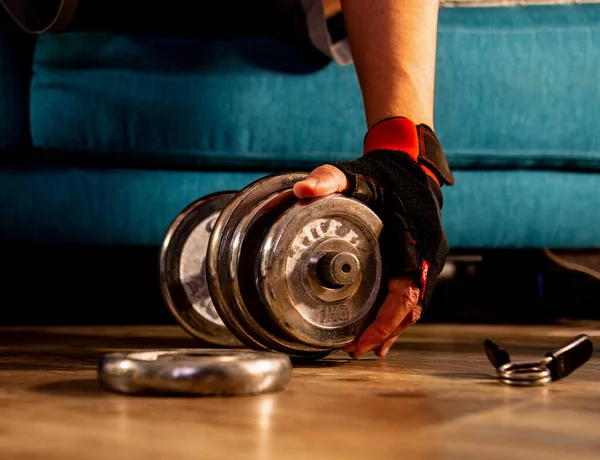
column 324, row 180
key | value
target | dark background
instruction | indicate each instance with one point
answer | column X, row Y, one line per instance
column 46, row 285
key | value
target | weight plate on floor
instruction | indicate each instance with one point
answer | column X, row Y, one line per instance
column 320, row 270
column 183, row 271
column 231, row 264
column 225, row 372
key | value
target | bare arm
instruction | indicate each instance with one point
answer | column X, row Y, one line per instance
column 393, row 45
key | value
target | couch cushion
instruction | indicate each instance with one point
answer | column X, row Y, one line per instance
column 486, row 209
column 16, row 54
column 517, row 87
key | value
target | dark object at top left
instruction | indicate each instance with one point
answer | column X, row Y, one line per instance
column 41, row 16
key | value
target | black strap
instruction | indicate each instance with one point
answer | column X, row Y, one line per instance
column 432, row 156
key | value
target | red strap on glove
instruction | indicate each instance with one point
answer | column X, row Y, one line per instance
column 417, row 141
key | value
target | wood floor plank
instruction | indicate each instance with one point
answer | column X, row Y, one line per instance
column 434, row 396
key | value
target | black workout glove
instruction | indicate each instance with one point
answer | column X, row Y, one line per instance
column 400, row 177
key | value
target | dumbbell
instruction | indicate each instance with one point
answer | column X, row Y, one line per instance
column 259, row 268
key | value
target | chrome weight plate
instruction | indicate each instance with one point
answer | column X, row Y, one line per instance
column 224, row 372
column 320, row 270
column 244, row 252
column 183, row 271
column 232, row 261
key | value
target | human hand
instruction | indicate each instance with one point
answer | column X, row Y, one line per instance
column 400, row 176
column 401, row 308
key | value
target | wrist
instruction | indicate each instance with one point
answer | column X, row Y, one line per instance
column 410, row 97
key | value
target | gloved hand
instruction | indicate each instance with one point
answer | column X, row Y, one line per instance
column 399, row 176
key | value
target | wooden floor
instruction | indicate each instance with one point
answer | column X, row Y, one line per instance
column 434, row 397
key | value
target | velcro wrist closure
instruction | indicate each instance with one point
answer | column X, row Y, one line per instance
column 419, row 142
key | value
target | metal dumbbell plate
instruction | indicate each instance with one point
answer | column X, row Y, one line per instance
column 226, row 372
column 231, row 260
column 183, row 271
column 267, row 304
column 320, row 270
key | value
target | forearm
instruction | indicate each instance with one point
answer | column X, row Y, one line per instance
column 393, row 46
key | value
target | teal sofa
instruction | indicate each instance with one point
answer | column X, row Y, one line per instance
column 104, row 138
